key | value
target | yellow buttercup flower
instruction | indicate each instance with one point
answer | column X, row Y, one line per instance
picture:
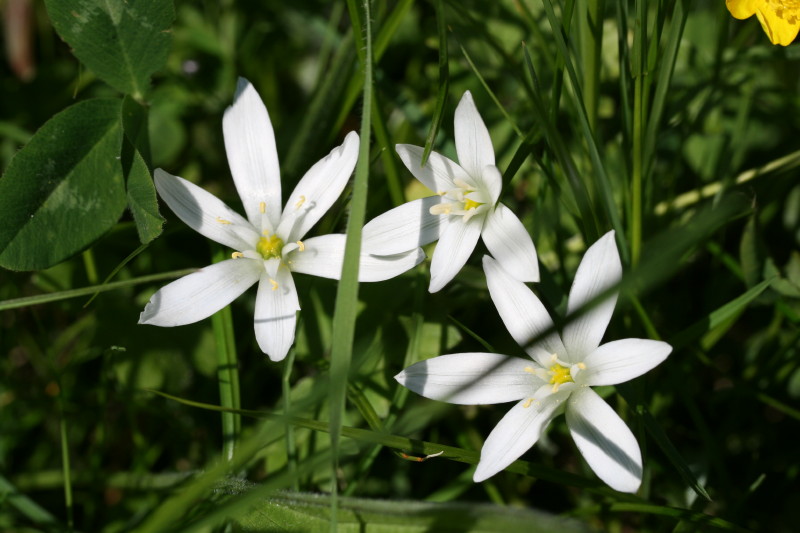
column 779, row 18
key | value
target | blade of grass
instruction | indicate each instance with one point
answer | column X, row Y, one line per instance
column 116, row 269
column 666, row 68
column 65, row 463
column 587, row 217
column 444, row 82
column 291, row 446
column 40, row 299
column 29, row 508
column 344, row 314
column 603, row 184
column 591, row 31
column 227, row 371
column 719, row 315
column 638, row 72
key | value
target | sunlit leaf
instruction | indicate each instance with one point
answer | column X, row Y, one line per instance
column 122, row 41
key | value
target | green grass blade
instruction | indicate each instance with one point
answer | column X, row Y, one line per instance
column 444, row 82
column 40, row 299
column 719, row 315
column 603, row 183
column 344, row 314
column 227, row 372
column 29, row 508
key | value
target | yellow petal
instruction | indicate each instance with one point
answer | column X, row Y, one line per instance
column 780, row 25
column 742, row 9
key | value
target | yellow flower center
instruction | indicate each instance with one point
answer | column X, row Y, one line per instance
column 560, row 375
column 470, row 204
column 270, row 247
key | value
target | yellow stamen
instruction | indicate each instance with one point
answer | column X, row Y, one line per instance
column 581, row 366
column 470, row 204
column 301, row 246
column 274, row 284
column 300, row 202
column 236, row 255
column 269, row 246
column 223, row 221
column 527, row 403
column 441, row 209
column 529, row 370
column 262, row 207
column 560, row 374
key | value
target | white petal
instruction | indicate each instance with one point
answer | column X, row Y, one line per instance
column 522, row 313
column 323, row 256
column 403, row 228
column 604, row 441
column 600, row 269
column 471, row 378
column 250, row 145
column 510, row 244
column 622, row 360
column 201, row 294
column 439, row 172
column 473, row 144
column 275, row 317
column 491, row 181
column 319, row 189
column 205, row 213
column 516, row 433
column 452, row 251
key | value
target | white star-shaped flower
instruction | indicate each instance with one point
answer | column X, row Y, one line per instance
column 465, row 208
column 267, row 244
column 560, row 377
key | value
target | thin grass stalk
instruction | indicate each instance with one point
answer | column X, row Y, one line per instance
column 591, row 30
column 291, row 445
column 444, row 82
column 344, row 314
column 639, row 50
column 227, row 378
column 65, row 464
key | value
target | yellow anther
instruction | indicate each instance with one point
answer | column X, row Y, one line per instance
column 527, row 403
column 236, row 255
column 441, row 193
column 223, row 221
column 262, row 207
column 301, row 246
column 300, row 202
column 274, row 284
column 581, row 366
column 529, row 370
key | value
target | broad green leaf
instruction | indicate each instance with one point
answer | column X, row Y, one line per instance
column 65, row 188
column 142, row 200
column 122, row 41
column 309, row 513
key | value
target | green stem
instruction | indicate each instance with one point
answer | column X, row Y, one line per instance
column 344, row 313
column 591, row 45
column 227, row 374
column 291, row 446
column 638, row 131
column 39, row 299
column 90, row 266
column 65, row 466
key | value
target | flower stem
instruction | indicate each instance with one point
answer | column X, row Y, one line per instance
column 65, row 465
column 291, row 446
column 639, row 51
column 227, row 374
